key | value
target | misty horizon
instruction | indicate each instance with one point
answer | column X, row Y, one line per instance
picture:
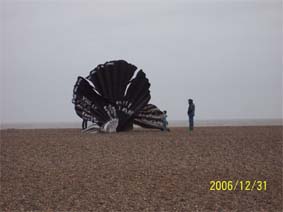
column 226, row 55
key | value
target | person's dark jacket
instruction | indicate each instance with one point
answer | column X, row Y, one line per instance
column 191, row 110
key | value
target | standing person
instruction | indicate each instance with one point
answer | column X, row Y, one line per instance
column 191, row 113
column 164, row 121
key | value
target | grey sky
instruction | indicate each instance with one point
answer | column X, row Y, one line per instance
column 226, row 55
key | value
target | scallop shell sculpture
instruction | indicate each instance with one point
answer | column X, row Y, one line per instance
column 113, row 97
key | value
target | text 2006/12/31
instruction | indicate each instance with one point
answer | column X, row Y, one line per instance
column 242, row 185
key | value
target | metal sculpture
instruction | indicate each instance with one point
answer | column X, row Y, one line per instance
column 113, row 98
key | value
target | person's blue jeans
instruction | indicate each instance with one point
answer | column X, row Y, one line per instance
column 191, row 122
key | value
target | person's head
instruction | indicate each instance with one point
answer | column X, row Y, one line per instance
column 190, row 101
column 164, row 111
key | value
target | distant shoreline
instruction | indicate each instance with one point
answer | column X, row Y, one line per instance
column 172, row 123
